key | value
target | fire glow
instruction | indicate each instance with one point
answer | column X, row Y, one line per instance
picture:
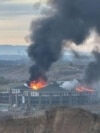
column 36, row 85
column 84, row 89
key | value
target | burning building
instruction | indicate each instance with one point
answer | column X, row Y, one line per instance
column 70, row 21
column 51, row 95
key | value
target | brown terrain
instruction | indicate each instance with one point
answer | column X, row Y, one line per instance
column 61, row 120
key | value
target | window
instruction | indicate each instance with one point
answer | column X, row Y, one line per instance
column 56, row 94
column 15, row 91
column 26, row 93
column 34, row 94
column 45, row 94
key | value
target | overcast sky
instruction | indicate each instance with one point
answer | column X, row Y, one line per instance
column 15, row 19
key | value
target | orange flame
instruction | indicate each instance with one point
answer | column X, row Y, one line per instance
column 36, row 85
column 84, row 89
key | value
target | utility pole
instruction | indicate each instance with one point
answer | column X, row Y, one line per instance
column 40, row 95
column 16, row 97
column 10, row 97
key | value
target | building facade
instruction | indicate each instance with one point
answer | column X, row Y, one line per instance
column 51, row 95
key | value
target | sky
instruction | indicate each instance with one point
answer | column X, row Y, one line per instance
column 15, row 19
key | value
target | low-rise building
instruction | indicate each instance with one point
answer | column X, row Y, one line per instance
column 51, row 95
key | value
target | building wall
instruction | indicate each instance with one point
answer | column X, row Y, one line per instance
column 33, row 98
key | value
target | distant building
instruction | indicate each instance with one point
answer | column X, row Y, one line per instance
column 51, row 95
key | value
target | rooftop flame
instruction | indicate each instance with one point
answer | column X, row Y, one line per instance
column 84, row 89
column 36, row 85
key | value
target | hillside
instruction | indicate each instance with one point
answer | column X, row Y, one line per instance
column 58, row 71
column 57, row 121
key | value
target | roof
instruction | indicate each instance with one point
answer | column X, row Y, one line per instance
column 50, row 88
column 21, row 87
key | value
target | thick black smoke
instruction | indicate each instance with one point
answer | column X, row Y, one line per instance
column 92, row 73
column 72, row 20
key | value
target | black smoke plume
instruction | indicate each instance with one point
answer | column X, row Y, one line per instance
column 92, row 73
column 71, row 20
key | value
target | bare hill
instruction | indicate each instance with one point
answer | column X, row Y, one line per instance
column 18, row 72
column 58, row 71
column 57, row 121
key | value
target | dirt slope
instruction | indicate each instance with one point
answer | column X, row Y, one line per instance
column 57, row 121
